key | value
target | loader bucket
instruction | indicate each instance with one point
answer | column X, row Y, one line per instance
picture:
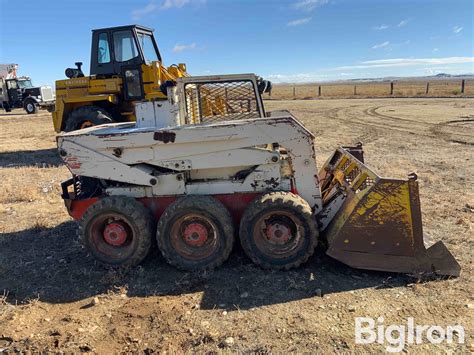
column 377, row 225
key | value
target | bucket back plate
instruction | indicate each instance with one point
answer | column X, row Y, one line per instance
column 378, row 224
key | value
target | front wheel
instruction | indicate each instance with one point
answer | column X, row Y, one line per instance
column 30, row 106
column 86, row 116
column 278, row 231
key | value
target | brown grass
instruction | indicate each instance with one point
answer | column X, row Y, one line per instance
column 444, row 88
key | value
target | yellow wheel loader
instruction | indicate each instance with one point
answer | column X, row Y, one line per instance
column 209, row 166
column 125, row 67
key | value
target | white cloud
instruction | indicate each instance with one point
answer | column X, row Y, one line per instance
column 385, row 44
column 435, row 49
column 403, row 23
column 403, row 62
column 380, row 28
column 139, row 13
column 299, row 22
column 165, row 5
column 309, row 5
column 457, row 29
column 421, row 66
column 182, row 47
column 296, row 78
column 168, row 4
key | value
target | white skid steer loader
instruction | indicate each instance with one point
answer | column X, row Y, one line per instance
column 209, row 164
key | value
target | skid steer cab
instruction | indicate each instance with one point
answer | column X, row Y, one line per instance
column 209, row 165
column 125, row 67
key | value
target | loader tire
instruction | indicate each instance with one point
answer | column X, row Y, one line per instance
column 195, row 233
column 117, row 231
column 86, row 116
column 278, row 231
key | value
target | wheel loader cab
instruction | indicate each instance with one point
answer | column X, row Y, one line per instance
column 121, row 51
column 125, row 67
column 116, row 48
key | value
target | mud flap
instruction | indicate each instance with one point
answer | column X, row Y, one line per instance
column 374, row 223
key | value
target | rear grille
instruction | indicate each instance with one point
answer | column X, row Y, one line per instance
column 46, row 93
column 220, row 101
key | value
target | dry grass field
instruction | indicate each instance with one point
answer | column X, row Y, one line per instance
column 412, row 88
column 54, row 297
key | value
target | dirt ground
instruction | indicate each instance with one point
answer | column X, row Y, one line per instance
column 54, row 297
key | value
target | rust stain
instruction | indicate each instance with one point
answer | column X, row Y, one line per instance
column 109, row 135
column 73, row 163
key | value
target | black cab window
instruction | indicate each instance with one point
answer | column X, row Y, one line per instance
column 148, row 47
column 104, row 49
column 124, row 46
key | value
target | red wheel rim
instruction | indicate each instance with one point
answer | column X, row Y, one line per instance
column 194, row 236
column 115, row 233
column 112, row 235
column 278, row 234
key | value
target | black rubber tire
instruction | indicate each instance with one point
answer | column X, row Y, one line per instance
column 137, row 216
column 30, row 106
column 6, row 107
column 273, row 202
column 94, row 114
column 209, row 208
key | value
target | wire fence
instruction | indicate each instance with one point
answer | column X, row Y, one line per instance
column 435, row 88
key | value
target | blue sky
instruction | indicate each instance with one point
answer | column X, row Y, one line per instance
column 284, row 40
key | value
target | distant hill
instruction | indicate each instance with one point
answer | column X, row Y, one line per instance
column 444, row 76
column 440, row 76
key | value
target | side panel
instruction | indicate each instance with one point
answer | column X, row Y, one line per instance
column 235, row 203
column 185, row 142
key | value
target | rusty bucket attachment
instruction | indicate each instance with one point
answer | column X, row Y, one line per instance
column 374, row 223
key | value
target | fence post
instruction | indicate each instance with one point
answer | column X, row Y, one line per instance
column 463, row 83
column 355, row 90
column 391, row 88
column 319, row 90
column 427, row 88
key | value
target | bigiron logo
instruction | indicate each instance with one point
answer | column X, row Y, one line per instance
column 397, row 336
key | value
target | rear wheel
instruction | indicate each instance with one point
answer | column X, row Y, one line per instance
column 117, row 231
column 86, row 116
column 278, row 231
column 6, row 106
column 30, row 106
column 195, row 233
